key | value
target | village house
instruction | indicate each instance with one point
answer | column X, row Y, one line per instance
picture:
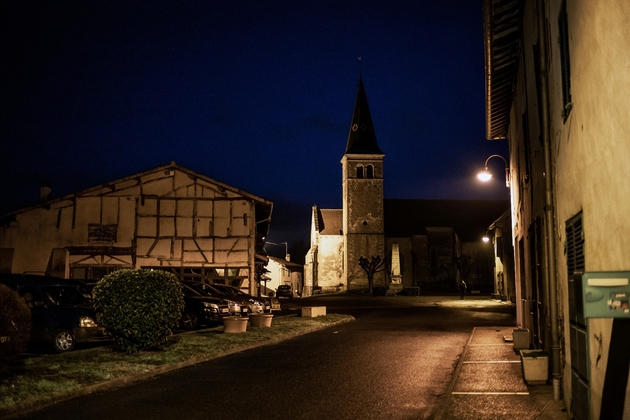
column 168, row 218
column 556, row 77
column 282, row 271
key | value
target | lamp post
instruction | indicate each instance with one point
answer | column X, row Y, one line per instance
column 485, row 175
column 286, row 248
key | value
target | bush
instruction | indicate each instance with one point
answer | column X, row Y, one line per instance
column 138, row 308
column 15, row 327
column 379, row 291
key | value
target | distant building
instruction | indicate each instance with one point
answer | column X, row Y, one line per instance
column 281, row 271
column 420, row 242
column 167, row 218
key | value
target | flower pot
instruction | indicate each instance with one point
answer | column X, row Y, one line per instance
column 235, row 324
column 535, row 366
column 520, row 337
column 261, row 320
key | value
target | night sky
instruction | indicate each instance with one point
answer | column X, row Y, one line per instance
column 255, row 94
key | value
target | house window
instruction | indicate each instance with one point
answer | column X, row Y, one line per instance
column 359, row 171
column 370, row 171
column 565, row 68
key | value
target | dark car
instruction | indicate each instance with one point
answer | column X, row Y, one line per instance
column 61, row 310
column 284, row 290
column 202, row 309
column 237, row 305
column 256, row 304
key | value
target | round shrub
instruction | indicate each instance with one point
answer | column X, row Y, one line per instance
column 15, row 327
column 138, row 308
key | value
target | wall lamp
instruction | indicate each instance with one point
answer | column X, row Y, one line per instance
column 286, row 247
column 485, row 175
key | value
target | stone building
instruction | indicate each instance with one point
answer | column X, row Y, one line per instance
column 169, row 218
column 419, row 242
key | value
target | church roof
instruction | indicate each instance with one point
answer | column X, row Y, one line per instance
column 329, row 221
column 361, row 138
column 468, row 218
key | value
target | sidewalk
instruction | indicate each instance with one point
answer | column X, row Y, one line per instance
column 488, row 384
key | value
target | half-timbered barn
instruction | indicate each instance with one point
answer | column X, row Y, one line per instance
column 169, row 217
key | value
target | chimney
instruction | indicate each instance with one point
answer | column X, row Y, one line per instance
column 44, row 192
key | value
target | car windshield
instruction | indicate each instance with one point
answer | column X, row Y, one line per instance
column 231, row 290
column 65, row 295
column 204, row 289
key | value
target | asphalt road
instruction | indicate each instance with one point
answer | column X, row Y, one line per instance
column 393, row 362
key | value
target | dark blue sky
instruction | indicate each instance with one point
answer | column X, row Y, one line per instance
column 256, row 94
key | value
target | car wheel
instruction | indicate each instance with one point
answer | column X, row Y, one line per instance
column 63, row 341
column 190, row 320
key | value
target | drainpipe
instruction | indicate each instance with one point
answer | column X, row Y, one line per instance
column 543, row 85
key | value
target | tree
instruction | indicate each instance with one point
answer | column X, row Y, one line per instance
column 371, row 267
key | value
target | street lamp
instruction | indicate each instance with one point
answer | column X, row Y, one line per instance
column 485, row 175
column 286, row 247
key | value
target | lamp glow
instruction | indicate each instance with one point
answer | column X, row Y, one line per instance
column 485, row 239
column 485, row 175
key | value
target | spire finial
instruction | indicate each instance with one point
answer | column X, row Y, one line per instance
column 360, row 67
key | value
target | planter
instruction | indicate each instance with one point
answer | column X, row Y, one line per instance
column 261, row 320
column 235, row 324
column 535, row 366
column 520, row 337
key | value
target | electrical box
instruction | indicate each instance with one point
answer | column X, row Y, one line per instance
column 606, row 294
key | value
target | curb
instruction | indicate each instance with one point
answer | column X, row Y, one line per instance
column 449, row 389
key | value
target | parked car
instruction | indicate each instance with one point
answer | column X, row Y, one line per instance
column 237, row 305
column 61, row 310
column 256, row 304
column 202, row 309
column 284, row 290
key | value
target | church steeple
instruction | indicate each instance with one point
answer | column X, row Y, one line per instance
column 362, row 193
column 361, row 139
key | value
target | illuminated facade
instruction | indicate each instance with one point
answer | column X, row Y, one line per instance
column 281, row 271
column 169, row 218
column 556, row 72
column 418, row 241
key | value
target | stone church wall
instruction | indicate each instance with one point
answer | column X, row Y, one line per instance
column 330, row 262
column 442, row 260
column 364, row 246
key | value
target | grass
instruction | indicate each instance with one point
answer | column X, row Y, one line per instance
column 42, row 380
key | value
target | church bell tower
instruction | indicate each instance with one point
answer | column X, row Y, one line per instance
column 362, row 173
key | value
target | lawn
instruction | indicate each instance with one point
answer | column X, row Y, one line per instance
column 50, row 378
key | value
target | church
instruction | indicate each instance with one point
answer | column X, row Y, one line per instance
column 395, row 246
